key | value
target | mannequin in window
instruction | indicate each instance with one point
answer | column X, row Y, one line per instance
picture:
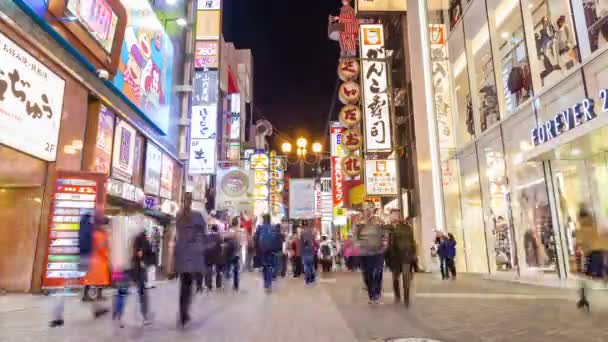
column 565, row 45
column 546, row 48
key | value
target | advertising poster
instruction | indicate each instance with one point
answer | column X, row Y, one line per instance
column 153, row 169
column 202, row 157
column 124, row 150
column 235, row 190
column 146, row 63
column 98, row 18
column 166, row 177
column 31, row 102
column 380, row 178
column 103, row 145
column 374, row 77
column 138, row 155
column 302, row 198
column 206, row 54
column 74, row 194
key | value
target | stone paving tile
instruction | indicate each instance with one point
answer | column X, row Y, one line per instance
column 335, row 310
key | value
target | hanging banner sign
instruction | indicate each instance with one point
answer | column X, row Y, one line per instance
column 380, row 178
column 124, row 150
column 338, row 182
column 32, row 102
column 206, row 54
column 376, row 105
column 202, row 157
column 205, row 88
column 204, row 122
column 336, row 141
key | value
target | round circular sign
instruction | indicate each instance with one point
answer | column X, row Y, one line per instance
column 351, row 140
column 352, row 165
column 235, row 183
column 350, row 115
column 348, row 69
column 350, row 92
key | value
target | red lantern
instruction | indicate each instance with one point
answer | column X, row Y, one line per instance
column 348, row 69
column 352, row 165
column 352, row 140
column 350, row 115
column 350, row 92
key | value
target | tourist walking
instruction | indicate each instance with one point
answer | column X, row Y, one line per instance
column 401, row 255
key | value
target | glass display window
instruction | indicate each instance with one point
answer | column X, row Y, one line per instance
column 484, row 97
column 596, row 79
column 509, row 46
column 463, row 109
column 528, row 196
column 555, row 49
column 499, row 232
column 451, row 198
column 595, row 13
column 562, row 97
column 472, row 212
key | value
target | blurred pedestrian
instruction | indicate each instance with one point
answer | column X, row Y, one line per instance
column 326, row 254
column 93, row 247
column 214, row 258
column 189, row 254
column 296, row 256
column 267, row 243
column 592, row 239
column 401, row 255
column 308, row 252
column 373, row 242
column 141, row 259
column 278, row 256
column 231, row 249
column 447, row 254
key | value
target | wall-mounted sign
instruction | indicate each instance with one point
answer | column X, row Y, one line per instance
column 208, row 4
column 153, row 169
column 124, row 149
column 302, row 198
column 352, row 165
column 208, row 25
column 348, row 69
column 235, row 190
column 350, row 115
column 206, row 54
column 440, row 64
column 337, row 149
column 97, row 17
column 204, row 122
column 145, row 70
column 582, row 112
column 166, row 177
column 380, row 178
column 350, row 92
column 205, row 88
column 260, row 161
column 31, row 102
column 202, row 157
column 103, row 145
column 381, row 6
column 338, row 182
column 376, row 106
column 234, row 127
column 277, row 186
column 351, row 140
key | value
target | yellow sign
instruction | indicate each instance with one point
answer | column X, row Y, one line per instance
column 381, row 5
column 339, row 211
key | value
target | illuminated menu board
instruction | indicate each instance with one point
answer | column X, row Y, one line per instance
column 73, row 196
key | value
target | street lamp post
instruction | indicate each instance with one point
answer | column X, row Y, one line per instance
column 301, row 151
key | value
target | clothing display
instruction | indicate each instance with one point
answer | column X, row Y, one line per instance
column 596, row 17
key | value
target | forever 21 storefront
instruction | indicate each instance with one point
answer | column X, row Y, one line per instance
column 522, row 110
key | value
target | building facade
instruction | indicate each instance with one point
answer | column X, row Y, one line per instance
column 512, row 97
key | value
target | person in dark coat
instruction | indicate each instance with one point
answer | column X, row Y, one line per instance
column 401, row 255
column 447, row 254
column 214, row 258
column 189, row 253
column 141, row 258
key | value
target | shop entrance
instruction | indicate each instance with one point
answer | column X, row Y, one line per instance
column 22, row 181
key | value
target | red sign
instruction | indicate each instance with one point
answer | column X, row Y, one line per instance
column 337, row 178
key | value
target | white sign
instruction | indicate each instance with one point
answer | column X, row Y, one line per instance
column 31, row 100
column 124, row 150
column 209, row 4
column 234, row 190
column 376, row 105
column 381, row 6
column 380, row 178
column 202, row 157
column 302, row 199
column 204, row 122
column 153, row 166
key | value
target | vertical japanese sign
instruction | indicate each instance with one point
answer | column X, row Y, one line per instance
column 277, row 187
column 337, row 152
column 124, row 150
column 441, row 86
column 31, row 101
column 260, row 164
column 203, row 129
column 374, row 79
column 74, row 194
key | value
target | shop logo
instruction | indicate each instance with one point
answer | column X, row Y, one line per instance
column 568, row 119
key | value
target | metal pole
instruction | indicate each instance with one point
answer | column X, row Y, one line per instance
column 301, row 167
column 396, row 147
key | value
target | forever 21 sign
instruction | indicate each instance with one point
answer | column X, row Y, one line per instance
column 568, row 119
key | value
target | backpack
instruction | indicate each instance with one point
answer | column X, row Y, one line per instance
column 266, row 239
column 326, row 251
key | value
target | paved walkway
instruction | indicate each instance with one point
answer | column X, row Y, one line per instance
column 469, row 309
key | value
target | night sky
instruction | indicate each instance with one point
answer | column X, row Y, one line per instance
column 294, row 61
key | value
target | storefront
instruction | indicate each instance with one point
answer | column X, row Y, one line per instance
column 524, row 144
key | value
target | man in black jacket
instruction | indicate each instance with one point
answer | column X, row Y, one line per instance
column 141, row 259
column 214, row 259
column 401, row 255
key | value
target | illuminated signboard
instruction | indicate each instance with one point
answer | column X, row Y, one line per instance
column 380, row 178
column 98, row 18
column 206, row 54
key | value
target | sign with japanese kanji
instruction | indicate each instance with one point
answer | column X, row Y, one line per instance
column 348, row 69
column 352, row 165
column 208, row 5
column 202, row 157
column 351, row 140
column 31, row 100
column 206, row 54
column 337, row 178
column 350, row 92
column 204, row 122
column 374, row 77
column 350, row 115
column 380, row 178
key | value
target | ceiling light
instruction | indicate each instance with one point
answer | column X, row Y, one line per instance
column 181, row 22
